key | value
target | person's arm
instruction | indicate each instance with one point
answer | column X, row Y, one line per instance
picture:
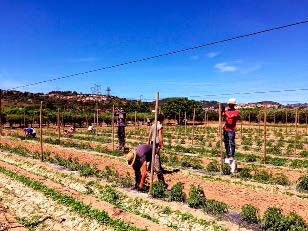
column 143, row 174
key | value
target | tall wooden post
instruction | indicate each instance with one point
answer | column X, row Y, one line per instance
column 154, row 142
column 205, row 118
column 41, row 131
column 274, row 122
column 264, row 136
column 220, row 136
column 179, row 117
column 24, row 118
column 296, row 122
column 241, row 127
column 135, row 118
column 249, row 119
column 0, row 112
column 112, row 122
column 185, row 123
column 193, row 127
column 286, row 121
column 59, row 125
column 306, row 123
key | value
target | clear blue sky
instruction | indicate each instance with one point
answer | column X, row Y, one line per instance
column 45, row 39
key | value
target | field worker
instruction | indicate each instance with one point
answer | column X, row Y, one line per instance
column 138, row 159
column 91, row 129
column 231, row 117
column 121, row 114
column 159, row 144
column 30, row 132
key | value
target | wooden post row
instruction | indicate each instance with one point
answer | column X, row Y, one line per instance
column 154, row 142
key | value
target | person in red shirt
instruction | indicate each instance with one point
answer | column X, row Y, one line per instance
column 231, row 117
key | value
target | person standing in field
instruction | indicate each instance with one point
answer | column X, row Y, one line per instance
column 231, row 117
column 121, row 114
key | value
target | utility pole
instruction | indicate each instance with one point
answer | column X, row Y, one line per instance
column 220, row 138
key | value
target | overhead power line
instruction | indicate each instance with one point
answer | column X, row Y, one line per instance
column 165, row 54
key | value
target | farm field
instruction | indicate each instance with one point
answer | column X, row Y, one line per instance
column 83, row 184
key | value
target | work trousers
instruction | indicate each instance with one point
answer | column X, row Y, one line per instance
column 229, row 140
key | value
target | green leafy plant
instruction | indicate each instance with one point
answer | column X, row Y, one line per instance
column 250, row 158
column 294, row 222
column 213, row 166
column 272, row 219
column 249, row 214
column 176, row 193
column 302, row 184
column 262, row 176
column 215, row 207
column 244, row 173
column 192, row 162
column 196, row 198
column 226, row 169
column 158, row 190
column 280, row 179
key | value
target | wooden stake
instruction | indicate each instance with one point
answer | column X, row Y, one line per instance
column 59, row 125
column 24, row 122
column 241, row 127
column 154, row 142
column 249, row 119
column 135, row 118
column 112, row 122
column 205, row 118
column 296, row 121
column 220, row 137
column 193, row 127
column 96, row 130
column 286, row 121
column 264, row 137
column 179, row 117
column 185, row 123
column 41, row 131
column 1, row 112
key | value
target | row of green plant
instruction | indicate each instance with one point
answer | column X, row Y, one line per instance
column 196, row 198
column 273, row 219
column 74, row 204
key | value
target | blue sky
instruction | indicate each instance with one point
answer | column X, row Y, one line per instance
column 46, row 39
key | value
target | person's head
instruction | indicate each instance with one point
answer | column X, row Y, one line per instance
column 232, row 103
column 131, row 157
column 160, row 118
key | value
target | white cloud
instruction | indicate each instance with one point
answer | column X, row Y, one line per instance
column 225, row 67
column 212, row 54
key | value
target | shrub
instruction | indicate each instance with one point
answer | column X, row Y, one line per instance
column 192, row 162
column 249, row 214
column 250, row 158
column 304, row 153
column 215, row 207
column 262, row 176
column 213, row 166
column 294, row 222
column 176, row 193
column 302, row 184
column 245, row 173
column 226, row 169
column 158, row 190
column 272, row 219
column 196, row 197
column 281, row 179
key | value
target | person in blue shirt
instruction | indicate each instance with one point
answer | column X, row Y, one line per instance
column 30, row 132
